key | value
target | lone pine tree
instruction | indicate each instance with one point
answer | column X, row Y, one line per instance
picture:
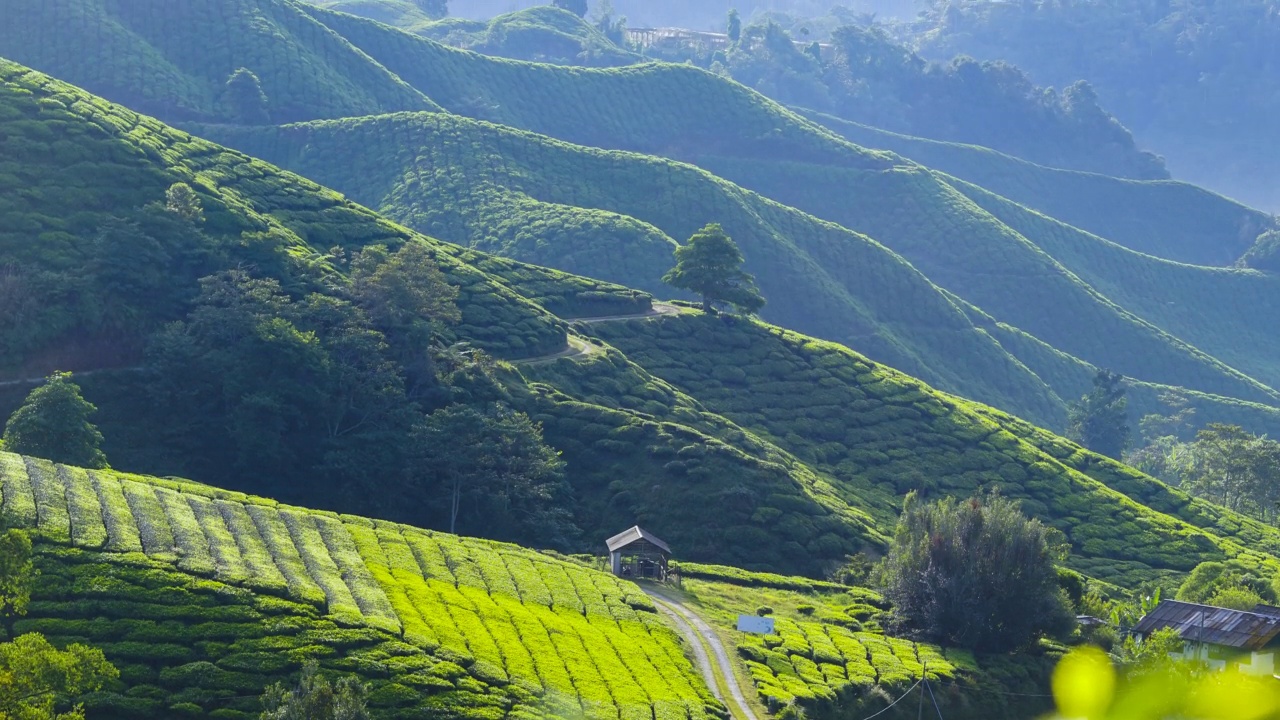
column 710, row 264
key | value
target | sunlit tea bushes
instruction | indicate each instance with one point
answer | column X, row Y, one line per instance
column 880, row 434
column 435, row 620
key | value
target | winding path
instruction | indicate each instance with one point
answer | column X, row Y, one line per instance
column 702, row 637
column 579, row 348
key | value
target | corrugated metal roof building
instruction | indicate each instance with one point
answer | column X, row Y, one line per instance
column 1245, row 630
column 1221, row 636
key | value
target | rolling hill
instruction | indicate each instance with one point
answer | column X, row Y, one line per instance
column 202, row 595
column 643, row 441
column 174, row 61
column 908, row 210
column 1177, row 221
column 481, row 185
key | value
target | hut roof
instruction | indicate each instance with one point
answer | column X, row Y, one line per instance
column 635, row 534
column 1219, row 626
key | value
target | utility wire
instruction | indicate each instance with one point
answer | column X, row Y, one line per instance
column 934, row 699
column 895, row 702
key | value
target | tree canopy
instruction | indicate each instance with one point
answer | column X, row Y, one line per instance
column 1100, row 420
column 488, row 467
column 974, row 573
column 710, row 265
column 17, row 576
column 53, row 423
column 315, row 698
column 247, row 100
column 36, row 679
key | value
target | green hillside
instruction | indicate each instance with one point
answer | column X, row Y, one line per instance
column 1179, row 221
column 527, row 197
column 257, row 215
column 540, row 34
column 174, row 59
column 626, row 108
column 203, row 597
column 879, row 434
column 396, row 13
column 617, row 108
column 630, row 438
column 990, row 257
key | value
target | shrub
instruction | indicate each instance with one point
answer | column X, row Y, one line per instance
column 764, row 610
column 975, row 573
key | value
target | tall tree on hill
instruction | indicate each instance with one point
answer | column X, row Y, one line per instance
column 54, row 424
column 244, row 95
column 710, row 264
column 735, row 26
column 577, row 7
column 975, row 574
column 1100, row 420
column 487, row 468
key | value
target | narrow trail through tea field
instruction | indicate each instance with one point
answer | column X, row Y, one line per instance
column 579, row 348
column 702, row 637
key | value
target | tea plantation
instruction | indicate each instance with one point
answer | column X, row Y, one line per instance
column 829, row 655
column 613, row 428
column 535, row 200
column 1186, row 223
column 527, row 196
column 174, row 60
column 878, row 434
column 203, row 596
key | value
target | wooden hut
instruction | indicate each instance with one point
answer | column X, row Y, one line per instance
column 637, row 553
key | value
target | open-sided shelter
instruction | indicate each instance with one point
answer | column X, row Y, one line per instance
column 637, row 553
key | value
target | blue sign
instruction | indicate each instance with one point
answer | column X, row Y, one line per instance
column 755, row 624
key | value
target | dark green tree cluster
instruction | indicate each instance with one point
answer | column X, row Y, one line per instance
column 975, row 573
column 1224, row 464
column 434, row 9
column 1100, row 420
column 247, row 100
column 354, row 397
column 1170, row 68
column 1264, row 254
column 316, row 698
column 710, row 266
column 1227, row 584
column 489, row 467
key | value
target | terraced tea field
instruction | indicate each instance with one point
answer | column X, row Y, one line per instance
column 516, row 632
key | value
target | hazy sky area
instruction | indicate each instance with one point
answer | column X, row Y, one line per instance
column 695, row 14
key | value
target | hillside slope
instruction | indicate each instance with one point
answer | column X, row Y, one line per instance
column 650, row 440
column 733, row 131
column 879, row 434
column 538, row 34
column 174, row 59
column 1178, row 221
column 576, row 208
column 210, row 595
column 544, row 201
